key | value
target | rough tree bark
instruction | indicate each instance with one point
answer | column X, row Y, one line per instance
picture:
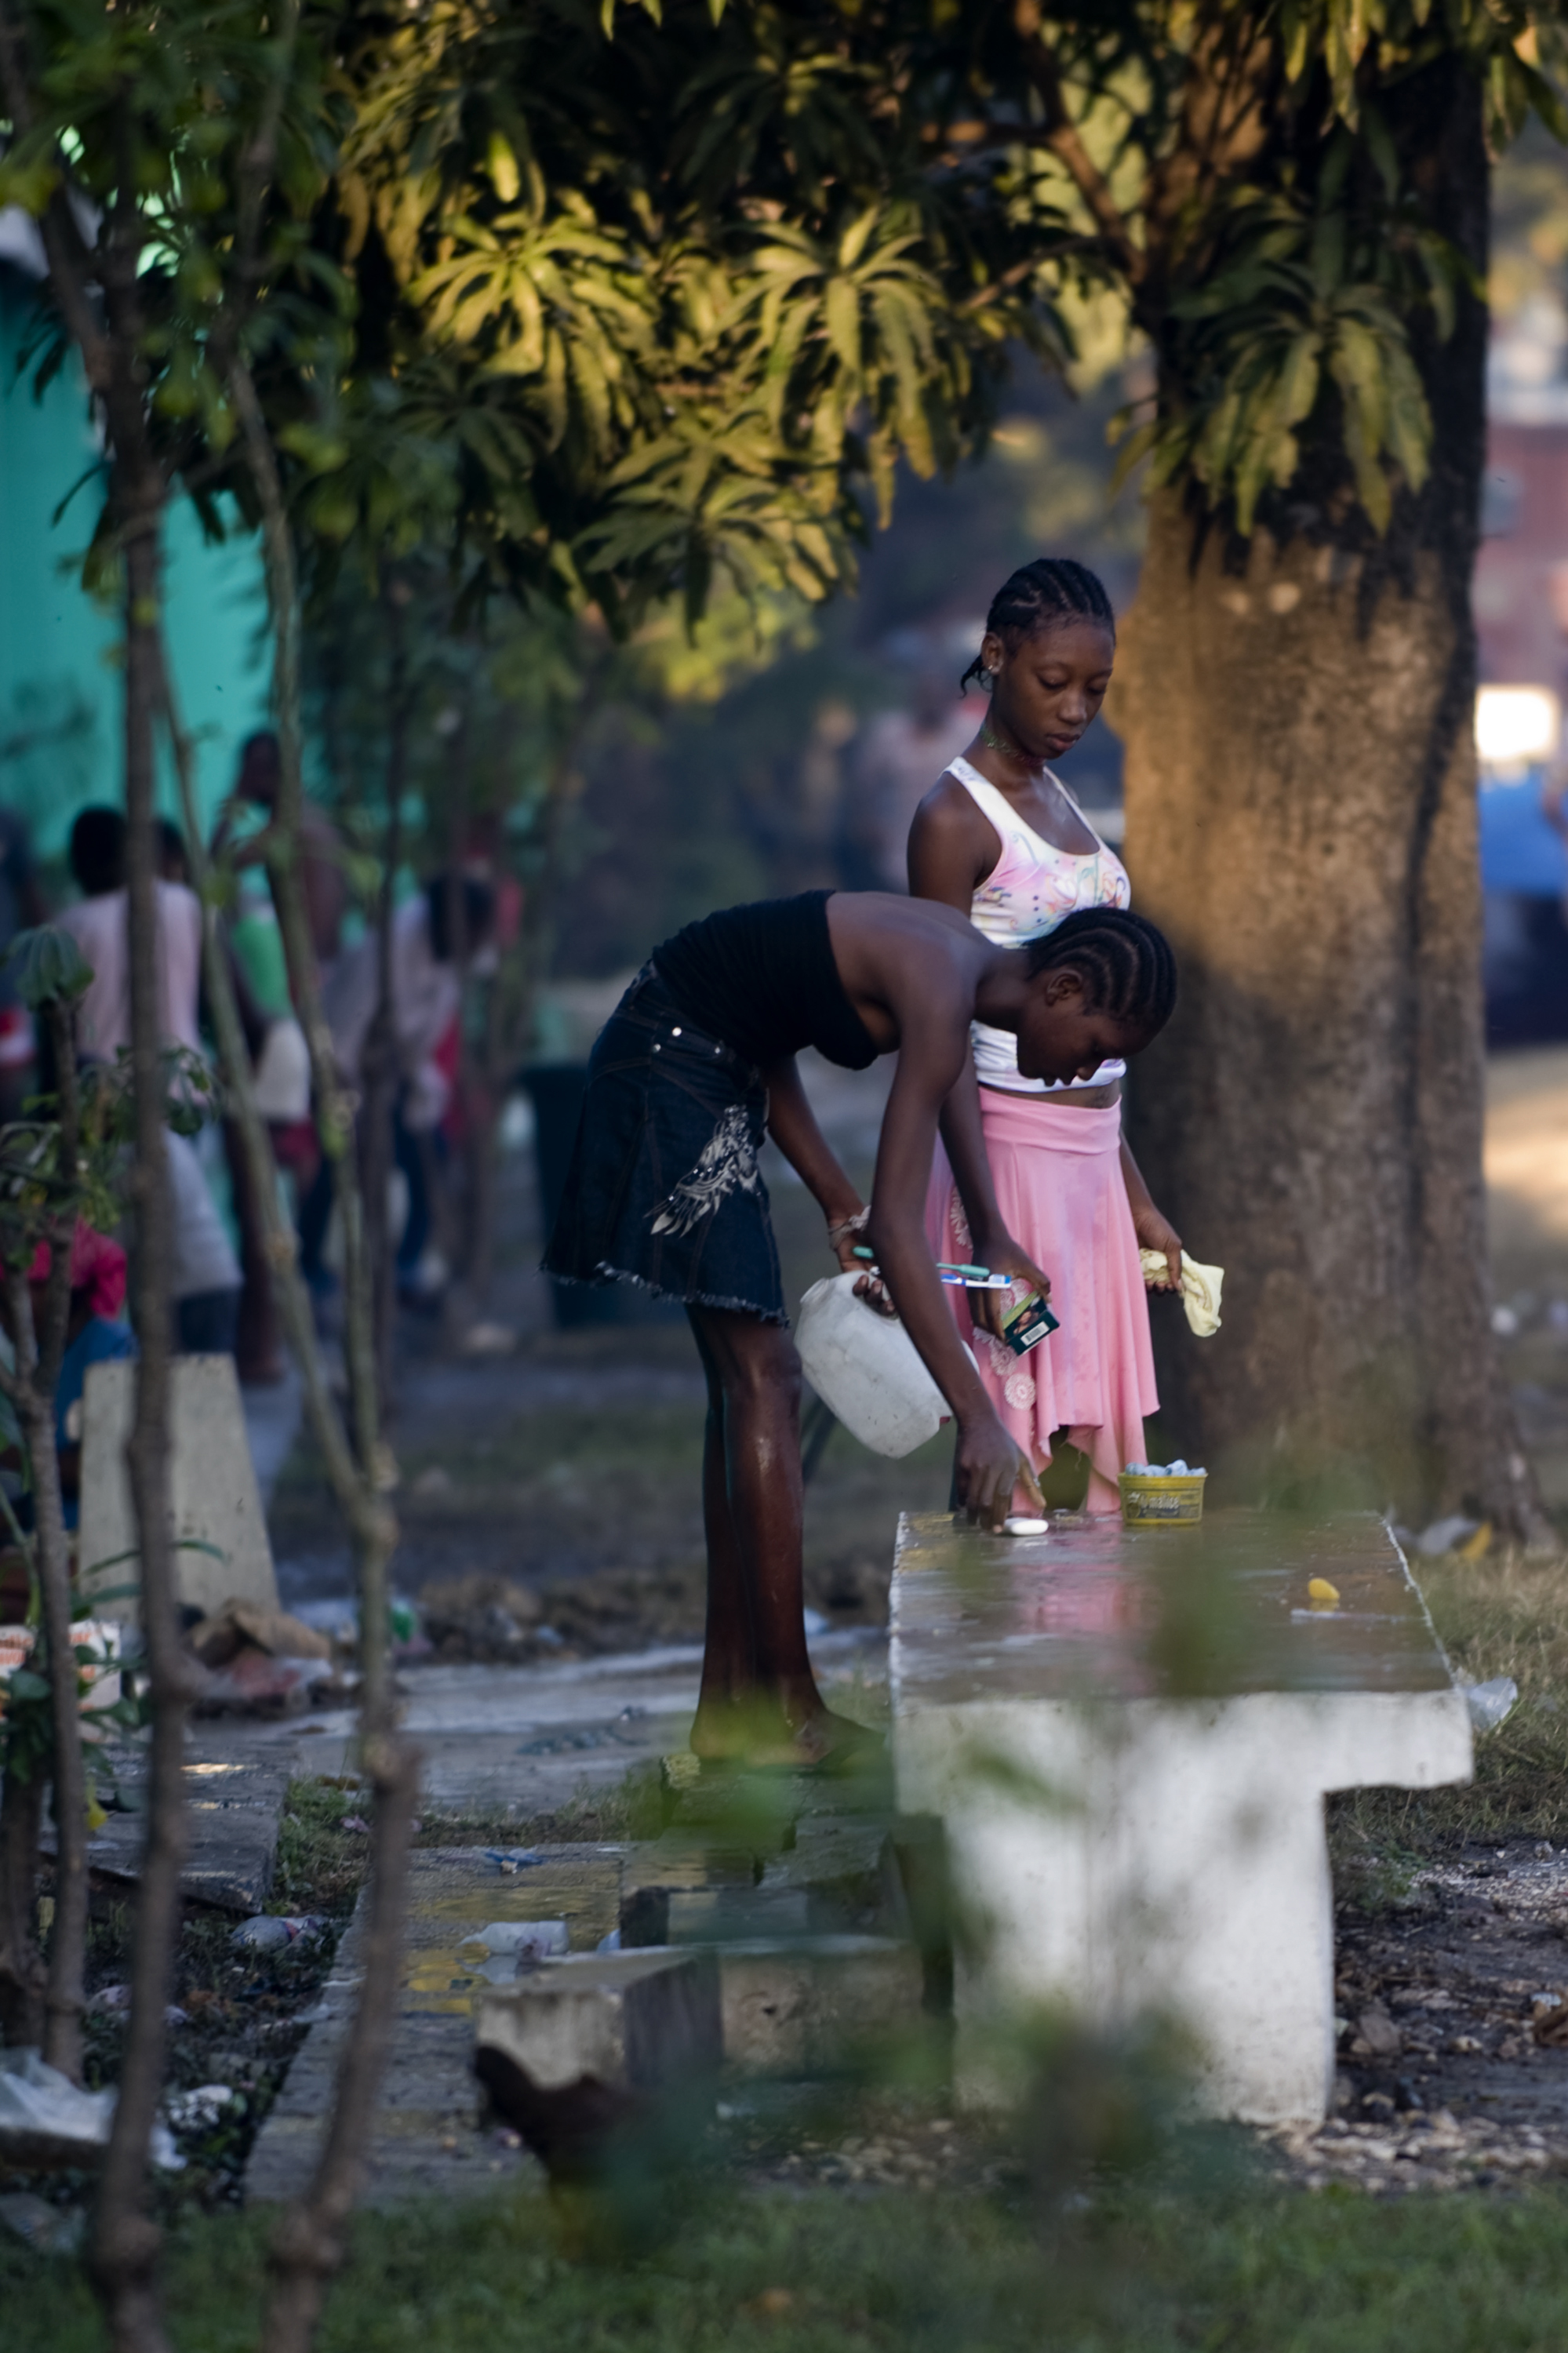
column 310, row 2243
column 1301, row 821
column 23, row 1977
column 38, row 1355
column 127, row 2240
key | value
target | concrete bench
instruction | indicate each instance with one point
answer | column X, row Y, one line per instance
column 1129, row 1735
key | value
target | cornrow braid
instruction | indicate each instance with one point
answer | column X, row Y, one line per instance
column 1051, row 588
column 1125, row 959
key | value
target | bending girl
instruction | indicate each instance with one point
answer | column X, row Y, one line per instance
column 664, row 1190
column 999, row 839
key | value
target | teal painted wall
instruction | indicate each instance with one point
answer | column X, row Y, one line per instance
column 59, row 682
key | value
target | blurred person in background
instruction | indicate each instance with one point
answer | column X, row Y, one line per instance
column 898, row 755
column 283, row 1073
column 205, row 1276
column 96, row 1334
column 999, row 837
column 321, row 872
column 428, row 964
column 21, row 908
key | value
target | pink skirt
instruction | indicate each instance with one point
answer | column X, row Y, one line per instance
column 1057, row 1174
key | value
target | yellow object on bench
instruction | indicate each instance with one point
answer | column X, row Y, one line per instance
column 1173, row 1502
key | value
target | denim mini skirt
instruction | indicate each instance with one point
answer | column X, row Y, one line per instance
column 664, row 1189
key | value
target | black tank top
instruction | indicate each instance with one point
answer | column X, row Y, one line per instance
column 763, row 979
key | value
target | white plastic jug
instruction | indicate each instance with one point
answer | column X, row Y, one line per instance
column 866, row 1369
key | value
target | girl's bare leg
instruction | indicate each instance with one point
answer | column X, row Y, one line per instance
column 759, row 1695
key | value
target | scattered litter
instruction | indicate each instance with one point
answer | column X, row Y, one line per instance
column 47, row 2229
column 219, row 1639
column 632, row 1714
column 1019, row 1523
column 355, row 1822
column 481, row 1618
column 255, row 1682
column 198, row 2111
column 610, row 1944
column 526, row 1941
column 511, row 1858
column 111, row 1997
column 408, row 1636
column 1446, row 1536
column 1321, row 1594
column 338, row 1619
column 269, row 1932
column 43, row 2118
column 1489, row 1703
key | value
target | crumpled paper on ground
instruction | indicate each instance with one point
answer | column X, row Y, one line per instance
column 1200, row 1288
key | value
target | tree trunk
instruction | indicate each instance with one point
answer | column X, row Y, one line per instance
column 127, row 2240
column 66, row 1998
column 22, row 1974
column 1301, row 821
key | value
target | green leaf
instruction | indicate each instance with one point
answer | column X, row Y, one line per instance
column 49, row 967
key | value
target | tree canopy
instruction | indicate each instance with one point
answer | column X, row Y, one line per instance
column 617, row 300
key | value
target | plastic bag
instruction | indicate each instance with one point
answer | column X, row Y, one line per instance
column 38, row 2102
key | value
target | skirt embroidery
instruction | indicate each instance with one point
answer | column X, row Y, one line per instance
column 727, row 1164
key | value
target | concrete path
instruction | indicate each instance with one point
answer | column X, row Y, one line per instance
column 525, row 1740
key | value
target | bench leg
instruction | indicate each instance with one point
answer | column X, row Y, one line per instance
column 1145, row 1856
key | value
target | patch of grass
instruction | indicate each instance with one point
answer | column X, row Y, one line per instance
column 1140, row 2273
column 1505, row 1615
column 321, row 1866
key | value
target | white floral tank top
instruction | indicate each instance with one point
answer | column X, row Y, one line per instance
column 1026, row 895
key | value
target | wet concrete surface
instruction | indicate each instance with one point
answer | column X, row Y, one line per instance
column 500, row 1741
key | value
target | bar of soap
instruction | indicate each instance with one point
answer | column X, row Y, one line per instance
column 1023, row 1527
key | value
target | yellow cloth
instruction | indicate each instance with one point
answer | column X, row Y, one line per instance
column 1200, row 1288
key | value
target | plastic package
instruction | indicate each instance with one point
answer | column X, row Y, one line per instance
column 866, row 1369
column 270, row 1931
column 1489, row 1703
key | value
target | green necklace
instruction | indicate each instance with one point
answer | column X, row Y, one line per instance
column 995, row 743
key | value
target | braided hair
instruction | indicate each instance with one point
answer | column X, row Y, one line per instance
column 1124, row 960
column 1051, row 588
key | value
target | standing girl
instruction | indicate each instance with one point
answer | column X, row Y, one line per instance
column 1001, row 839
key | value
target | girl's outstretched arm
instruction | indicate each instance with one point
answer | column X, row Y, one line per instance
column 792, row 1124
column 964, row 1136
